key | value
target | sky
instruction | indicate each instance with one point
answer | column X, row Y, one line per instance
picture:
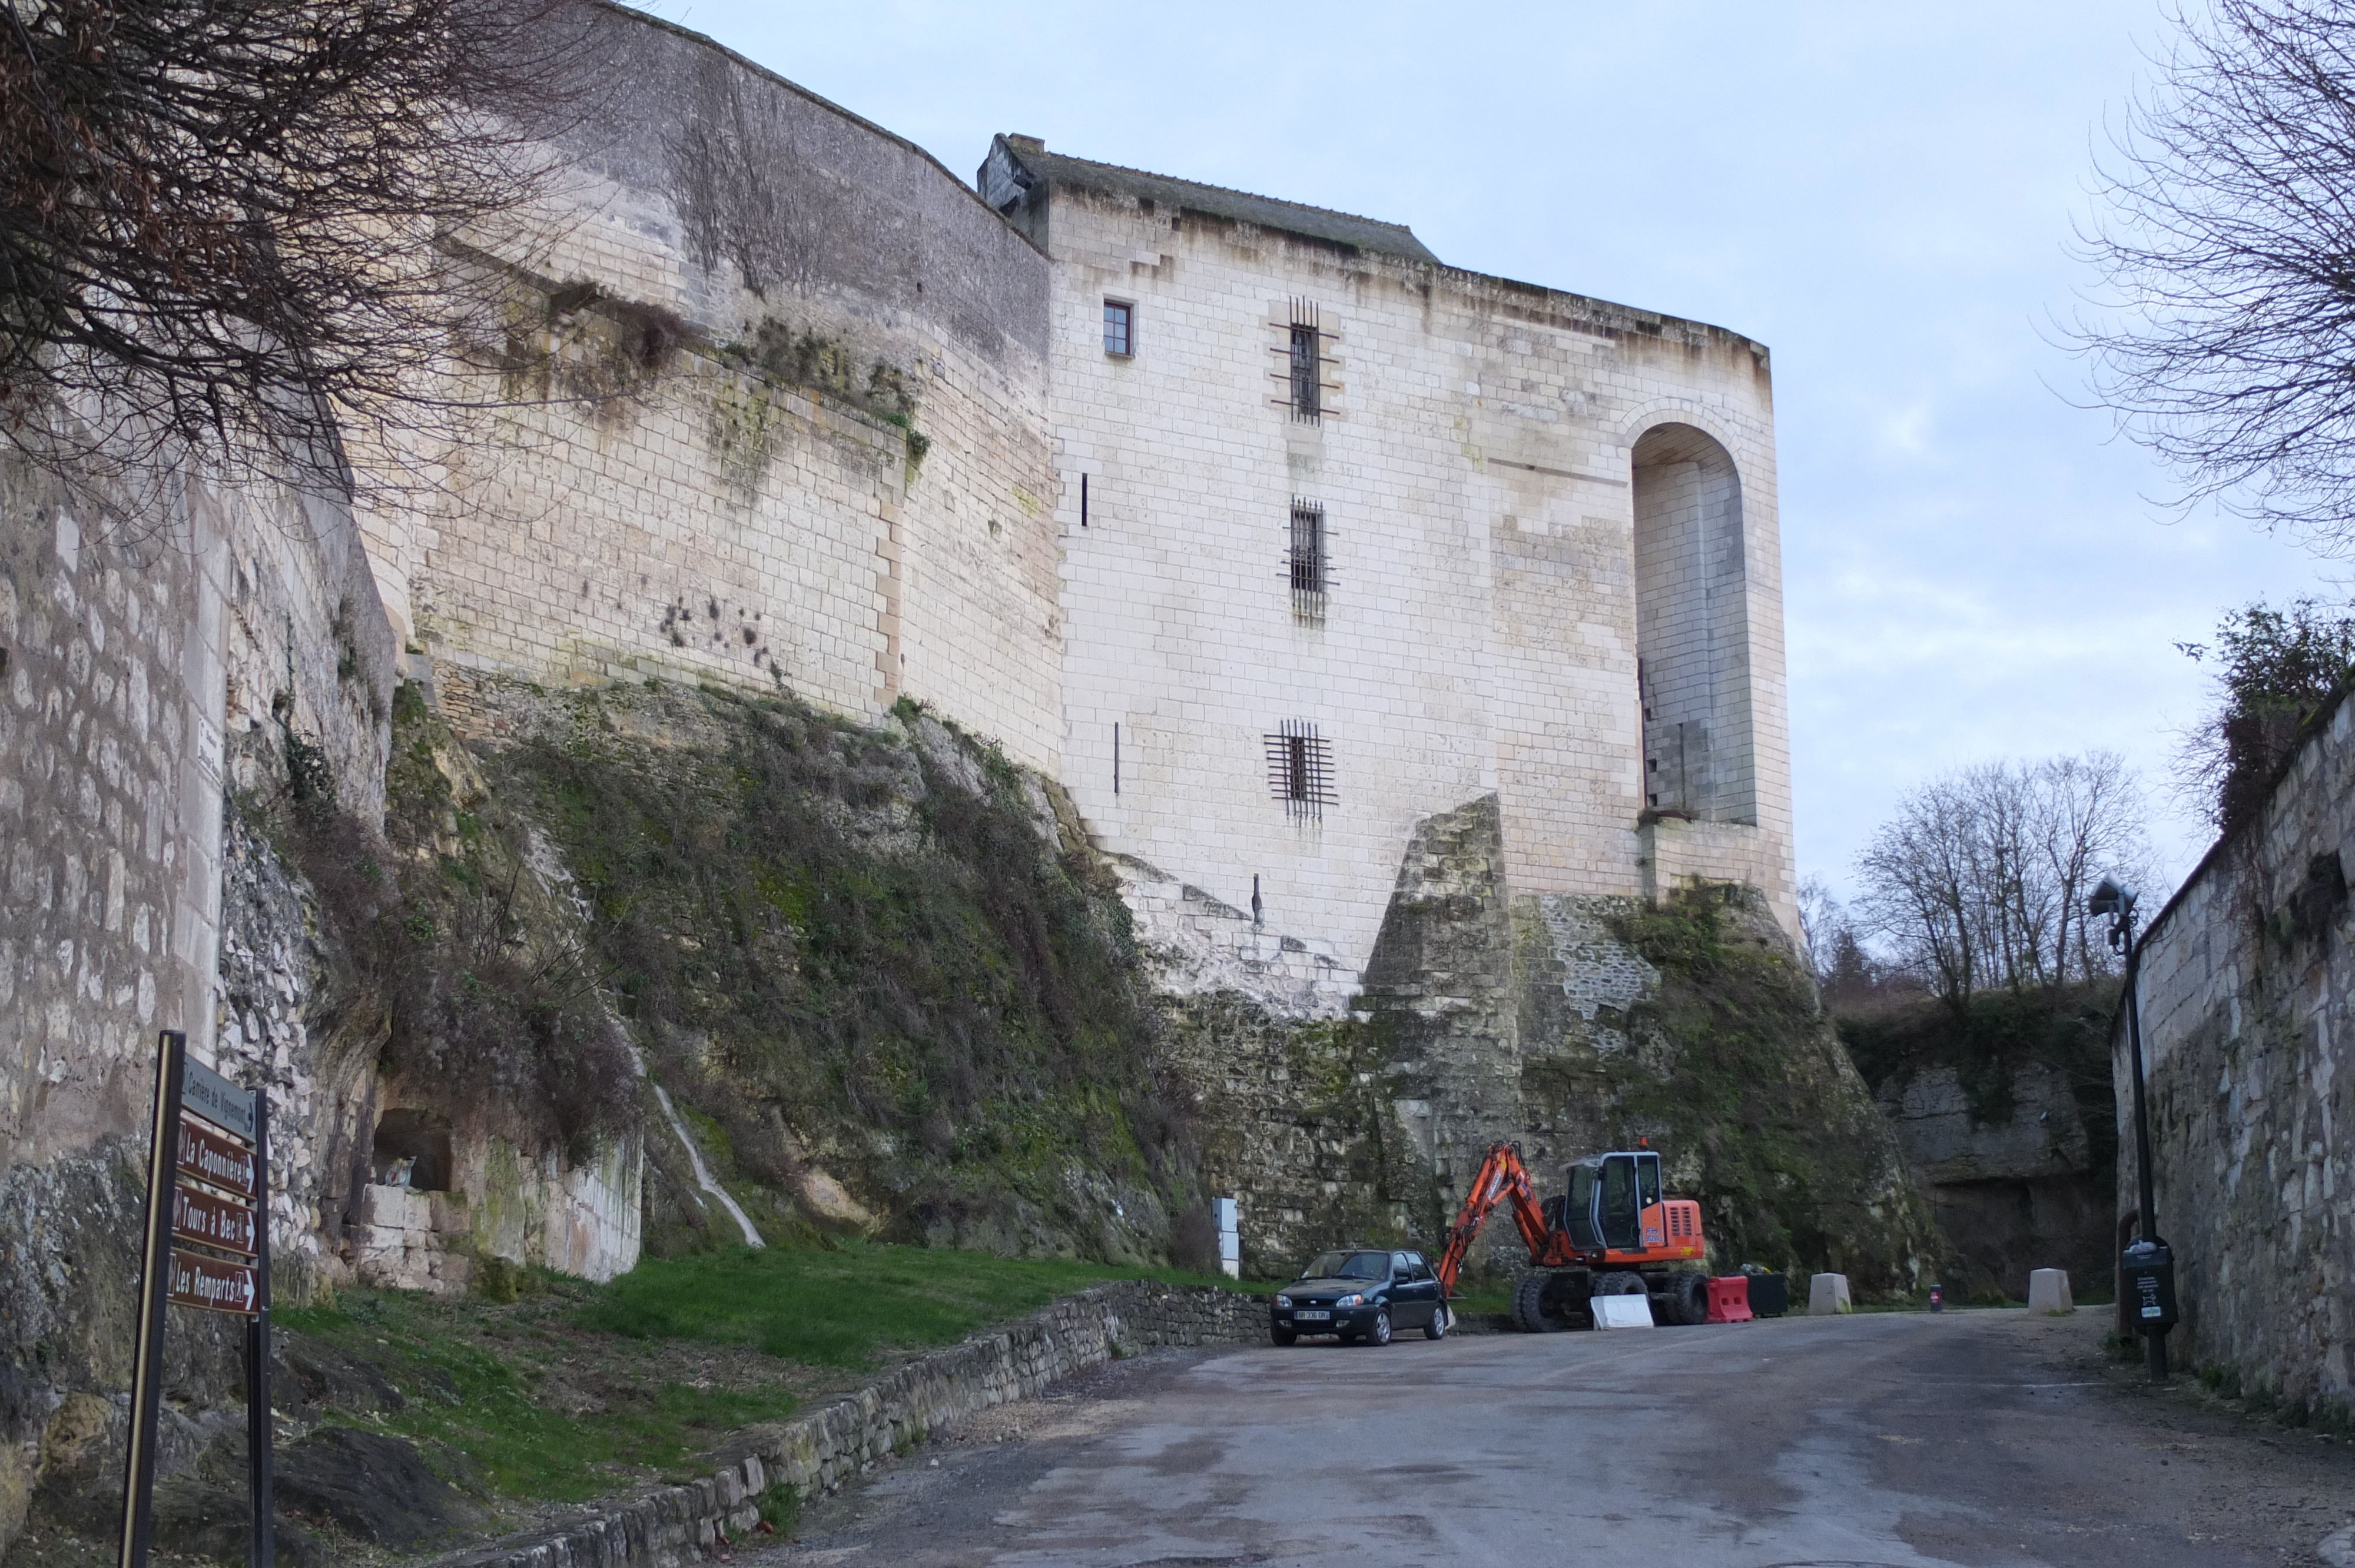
column 1975, row 566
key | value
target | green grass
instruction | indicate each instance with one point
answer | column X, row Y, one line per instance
column 838, row 1307
column 471, row 1408
column 563, row 1391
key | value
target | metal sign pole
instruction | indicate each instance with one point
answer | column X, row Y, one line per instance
column 259, row 1430
column 154, row 1281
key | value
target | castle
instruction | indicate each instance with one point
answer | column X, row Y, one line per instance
column 1347, row 595
column 1265, row 531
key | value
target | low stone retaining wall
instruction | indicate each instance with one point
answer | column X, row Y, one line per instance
column 818, row 1453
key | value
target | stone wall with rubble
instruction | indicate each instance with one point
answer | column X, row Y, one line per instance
column 2248, row 977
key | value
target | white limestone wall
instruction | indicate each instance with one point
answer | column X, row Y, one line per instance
column 612, row 524
column 1691, row 616
column 1474, row 465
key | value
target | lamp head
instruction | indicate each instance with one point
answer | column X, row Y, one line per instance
column 2113, row 898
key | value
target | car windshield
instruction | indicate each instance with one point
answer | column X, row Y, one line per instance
column 1349, row 1266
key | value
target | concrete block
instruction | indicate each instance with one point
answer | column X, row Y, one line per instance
column 1827, row 1296
column 2048, row 1291
column 450, row 1215
column 1622, row 1311
column 400, row 1208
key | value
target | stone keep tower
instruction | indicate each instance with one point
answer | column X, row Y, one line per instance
column 1437, row 535
column 1389, row 587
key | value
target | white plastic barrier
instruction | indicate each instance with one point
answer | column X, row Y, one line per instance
column 1827, row 1294
column 1622, row 1311
column 2048, row 1291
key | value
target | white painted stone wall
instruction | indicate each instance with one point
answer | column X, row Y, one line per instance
column 1474, row 463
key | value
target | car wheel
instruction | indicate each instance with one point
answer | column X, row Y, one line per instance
column 1380, row 1332
column 1438, row 1327
column 1283, row 1336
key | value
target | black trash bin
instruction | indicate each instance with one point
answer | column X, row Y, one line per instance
column 2146, row 1285
column 1770, row 1294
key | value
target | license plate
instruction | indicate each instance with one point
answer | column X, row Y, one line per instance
column 1312, row 1317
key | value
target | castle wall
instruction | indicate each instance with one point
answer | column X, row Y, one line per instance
column 2246, row 983
column 1481, row 631
column 711, row 475
column 154, row 642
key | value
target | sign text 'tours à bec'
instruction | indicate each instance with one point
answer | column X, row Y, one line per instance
column 220, row 1222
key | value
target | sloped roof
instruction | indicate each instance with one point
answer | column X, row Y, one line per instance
column 1217, row 201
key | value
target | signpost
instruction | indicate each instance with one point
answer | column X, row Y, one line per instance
column 208, row 1246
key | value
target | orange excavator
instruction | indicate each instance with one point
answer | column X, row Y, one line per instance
column 1609, row 1234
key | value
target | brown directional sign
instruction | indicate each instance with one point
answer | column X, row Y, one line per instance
column 217, row 1222
column 209, row 1156
column 211, row 1284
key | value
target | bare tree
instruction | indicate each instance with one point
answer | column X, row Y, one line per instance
column 227, row 227
column 1846, row 973
column 1979, row 880
column 2229, row 247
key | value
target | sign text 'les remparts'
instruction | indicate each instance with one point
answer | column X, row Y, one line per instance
column 211, row 1284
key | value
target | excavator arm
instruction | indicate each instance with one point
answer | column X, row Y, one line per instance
column 1502, row 1177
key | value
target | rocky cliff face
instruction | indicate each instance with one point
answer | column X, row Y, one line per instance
column 2006, row 1117
column 878, row 970
column 1571, row 1024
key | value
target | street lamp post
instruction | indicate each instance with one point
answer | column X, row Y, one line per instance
column 2147, row 1272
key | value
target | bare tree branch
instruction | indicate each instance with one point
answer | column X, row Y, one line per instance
column 2229, row 251
column 224, row 223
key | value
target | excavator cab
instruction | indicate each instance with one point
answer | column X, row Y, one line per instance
column 1609, row 1196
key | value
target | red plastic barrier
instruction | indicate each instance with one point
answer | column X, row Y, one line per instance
column 1729, row 1300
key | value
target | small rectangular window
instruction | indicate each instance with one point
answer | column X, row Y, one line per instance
column 1300, row 770
column 1119, row 328
column 1310, row 575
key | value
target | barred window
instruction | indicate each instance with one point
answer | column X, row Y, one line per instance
column 1307, row 402
column 1300, row 770
column 1118, row 320
column 1310, row 568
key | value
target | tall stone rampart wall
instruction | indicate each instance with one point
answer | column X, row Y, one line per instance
column 170, row 643
column 2247, row 978
column 777, row 388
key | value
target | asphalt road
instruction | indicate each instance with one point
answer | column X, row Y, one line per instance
column 1980, row 1438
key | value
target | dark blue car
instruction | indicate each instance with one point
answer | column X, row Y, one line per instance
column 1364, row 1294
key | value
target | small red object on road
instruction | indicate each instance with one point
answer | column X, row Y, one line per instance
column 1729, row 1300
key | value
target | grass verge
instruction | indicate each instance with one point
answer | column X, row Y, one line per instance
column 566, row 1390
column 838, row 1306
column 511, row 1400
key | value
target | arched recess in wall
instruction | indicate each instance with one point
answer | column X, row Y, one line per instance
column 1692, row 628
